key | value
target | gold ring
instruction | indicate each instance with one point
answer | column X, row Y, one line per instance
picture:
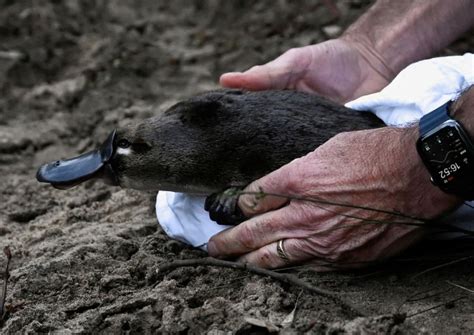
column 281, row 251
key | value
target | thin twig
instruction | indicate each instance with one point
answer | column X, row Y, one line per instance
column 414, row 297
column 432, row 258
column 293, row 267
column 282, row 277
column 370, row 221
column 429, row 296
column 418, row 222
column 442, row 266
column 436, row 306
column 262, row 194
column 6, row 275
column 459, row 286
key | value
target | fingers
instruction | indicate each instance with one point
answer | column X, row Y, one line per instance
column 258, row 200
column 267, row 257
column 250, row 235
column 273, row 255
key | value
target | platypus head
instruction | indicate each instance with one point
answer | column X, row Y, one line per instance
column 142, row 156
column 162, row 154
column 116, row 159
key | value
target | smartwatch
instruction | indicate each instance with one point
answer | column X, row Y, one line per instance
column 447, row 151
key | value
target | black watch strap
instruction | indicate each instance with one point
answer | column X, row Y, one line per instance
column 435, row 118
column 462, row 185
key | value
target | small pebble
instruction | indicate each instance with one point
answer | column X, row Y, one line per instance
column 332, row 31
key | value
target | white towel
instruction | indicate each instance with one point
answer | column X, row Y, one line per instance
column 417, row 90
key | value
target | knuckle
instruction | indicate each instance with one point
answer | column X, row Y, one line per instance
column 341, row 138
column 338, row 136
column 303, row 249
column 218, row 244
column 292, row 187
column 335, row 257
column 307, row 215
column 292, row 52
column 247, row 237
column 288, row 178
column 253, row 67
column 248, row 204
column 255, row 201
column 321, row 247
column 268, row 225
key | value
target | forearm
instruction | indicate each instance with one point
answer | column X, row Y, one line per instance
column 397, row 33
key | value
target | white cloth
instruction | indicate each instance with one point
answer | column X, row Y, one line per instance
column 183, row 218
column 417, row 90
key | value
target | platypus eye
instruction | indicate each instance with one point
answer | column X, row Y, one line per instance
column 123, row 143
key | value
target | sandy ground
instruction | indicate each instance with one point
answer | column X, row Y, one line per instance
column 85, row 260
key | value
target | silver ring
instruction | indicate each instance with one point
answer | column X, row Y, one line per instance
column 281, row 251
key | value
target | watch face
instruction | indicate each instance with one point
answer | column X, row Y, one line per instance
column 448, row 157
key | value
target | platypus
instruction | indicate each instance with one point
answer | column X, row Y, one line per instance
column 211, row 142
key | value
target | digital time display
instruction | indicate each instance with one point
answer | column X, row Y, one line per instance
column 446, row 172
column 446, row 156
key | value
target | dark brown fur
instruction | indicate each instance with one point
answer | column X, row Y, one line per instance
column 229, row 138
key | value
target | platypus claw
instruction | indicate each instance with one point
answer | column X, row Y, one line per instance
column 223, row 208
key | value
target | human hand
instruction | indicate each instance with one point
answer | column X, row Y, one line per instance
column 372, row 168
column 341, row 69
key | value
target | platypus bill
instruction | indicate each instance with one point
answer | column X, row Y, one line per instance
column 210, row 142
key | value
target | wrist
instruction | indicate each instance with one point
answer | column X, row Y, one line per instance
column 372, row 57
column 404, row 31
column 463, row 111
column 432, row 201
column 445, row 146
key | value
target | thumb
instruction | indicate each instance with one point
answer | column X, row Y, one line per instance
column 282, row 73
column 261, row 195
column 257, row 78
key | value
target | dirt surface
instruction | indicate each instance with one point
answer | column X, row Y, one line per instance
column 85, row 260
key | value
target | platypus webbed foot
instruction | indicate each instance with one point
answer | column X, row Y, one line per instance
column 223, row 208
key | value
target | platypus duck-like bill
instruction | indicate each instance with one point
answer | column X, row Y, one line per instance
column 64, row 174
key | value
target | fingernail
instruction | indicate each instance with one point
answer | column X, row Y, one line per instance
column 231, row 74
column 247, row 204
